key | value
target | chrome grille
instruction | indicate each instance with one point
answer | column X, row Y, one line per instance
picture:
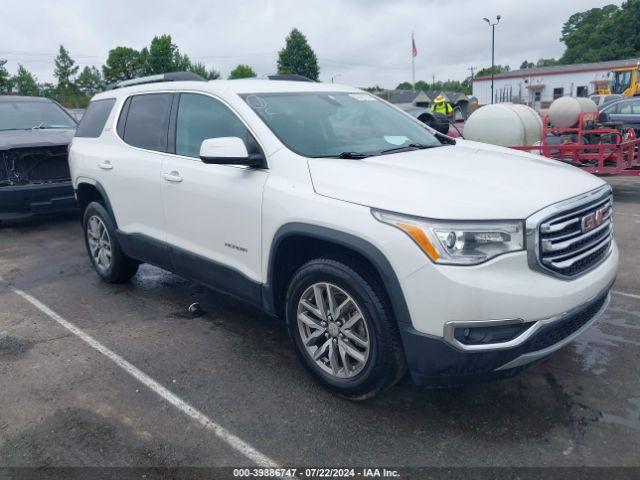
column 576, row 240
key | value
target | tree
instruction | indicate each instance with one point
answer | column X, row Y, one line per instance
column 547, row 62
column 404, row 86
column 122, row 63
column 486, row 72
column 527, row 64
column 201, row 70
column 5, row 79
column 24, row 83
column 242, row 71
column 297, row 57
column 47, row 89
column 163, row 56
column 65, row 71
column 90, row 81
column 600, row 34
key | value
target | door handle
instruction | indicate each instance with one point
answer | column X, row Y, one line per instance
column 172, row 177
column 106, row 165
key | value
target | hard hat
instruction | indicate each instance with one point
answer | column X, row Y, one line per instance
column 439, row 99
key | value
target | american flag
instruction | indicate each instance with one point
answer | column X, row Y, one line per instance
column 414, row 50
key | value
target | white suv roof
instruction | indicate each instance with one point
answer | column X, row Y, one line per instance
column 231, row 86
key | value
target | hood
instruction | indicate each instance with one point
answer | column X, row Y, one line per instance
column 466, row 181
column 35, row 138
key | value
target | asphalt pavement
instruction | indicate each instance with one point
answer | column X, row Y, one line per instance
column 160, row 388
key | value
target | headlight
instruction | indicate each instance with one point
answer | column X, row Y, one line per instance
column 458, row 242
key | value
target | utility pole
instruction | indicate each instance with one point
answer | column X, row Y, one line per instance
column 493, row 43
column 471, row 69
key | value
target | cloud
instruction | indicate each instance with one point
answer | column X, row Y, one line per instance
column 358, row 42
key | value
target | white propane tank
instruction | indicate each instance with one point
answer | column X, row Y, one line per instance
column 564, row 112
column 504, row 124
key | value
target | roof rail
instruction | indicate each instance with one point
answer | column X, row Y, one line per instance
column 161, row 77
column 291, row 77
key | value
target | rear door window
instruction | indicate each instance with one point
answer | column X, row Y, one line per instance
column 95, row 118
column 147, row 121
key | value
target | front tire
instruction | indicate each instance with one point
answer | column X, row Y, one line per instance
column 343, row 330
column 108, row 259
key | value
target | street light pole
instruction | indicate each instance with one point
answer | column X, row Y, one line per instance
column 493, row 43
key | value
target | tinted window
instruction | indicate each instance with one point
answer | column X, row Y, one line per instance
column 95, row 117
column 596, row 99
column 25, row 115
column 201, row 117
column 147, row 120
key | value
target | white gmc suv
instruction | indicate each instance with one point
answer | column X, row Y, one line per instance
column 385, row 246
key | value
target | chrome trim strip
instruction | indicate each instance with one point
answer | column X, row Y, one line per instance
column 552, row 226
column 581, row 254
column 549, row 247
column 533, row 356
column 450, row 327
column 532, row 224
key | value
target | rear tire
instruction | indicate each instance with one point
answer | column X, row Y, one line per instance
column 355, row 350
column 107, row 258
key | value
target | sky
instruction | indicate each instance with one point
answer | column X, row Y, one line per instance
column 358, row 42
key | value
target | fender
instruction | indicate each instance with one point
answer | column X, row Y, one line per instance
column 103, row 193
column 363, row 247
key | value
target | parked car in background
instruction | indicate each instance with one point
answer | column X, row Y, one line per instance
column 625, row 111
column 34, row 170
column 384, row 246
column 603, row 99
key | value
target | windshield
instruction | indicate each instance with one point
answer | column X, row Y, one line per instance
column 621, row 81
column 318, row 124
column 23, row 115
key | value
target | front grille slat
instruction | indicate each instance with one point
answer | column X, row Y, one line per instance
column 567, row 247
column 566, row 218
column 550, row 246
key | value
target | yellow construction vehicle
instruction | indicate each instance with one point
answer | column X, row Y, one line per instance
column 625, row 81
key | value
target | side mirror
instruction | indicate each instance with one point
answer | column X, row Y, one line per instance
column 229, row 151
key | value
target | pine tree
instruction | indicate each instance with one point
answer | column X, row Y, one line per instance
column 65, row 70
column 24, row 83
column 297, row 57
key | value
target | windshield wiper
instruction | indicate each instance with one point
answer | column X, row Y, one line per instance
column 411, row 146
column 353, row 155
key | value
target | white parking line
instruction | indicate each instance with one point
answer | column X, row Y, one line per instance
column 223, row 434
column 624, row 294
column 626, row 214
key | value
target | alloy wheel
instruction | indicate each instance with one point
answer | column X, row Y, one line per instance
column 99, row 243
column 333, row 330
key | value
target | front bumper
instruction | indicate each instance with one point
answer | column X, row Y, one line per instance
column 436, row 362
column 24, row 201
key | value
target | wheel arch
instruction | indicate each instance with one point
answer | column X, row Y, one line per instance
column 323, row 241
column 88, row 191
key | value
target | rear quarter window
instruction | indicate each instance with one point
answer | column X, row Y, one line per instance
column 95, row 118
column 147, row 121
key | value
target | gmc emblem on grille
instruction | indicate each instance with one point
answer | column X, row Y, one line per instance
column 594, row 219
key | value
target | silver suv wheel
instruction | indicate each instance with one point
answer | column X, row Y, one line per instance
column 333, row 330
column 99, row 243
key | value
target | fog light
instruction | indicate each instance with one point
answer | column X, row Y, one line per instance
column 490, row 334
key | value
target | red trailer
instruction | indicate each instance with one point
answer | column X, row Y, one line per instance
column 600, row 149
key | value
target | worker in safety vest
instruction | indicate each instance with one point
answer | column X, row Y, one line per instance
column 440, row 105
